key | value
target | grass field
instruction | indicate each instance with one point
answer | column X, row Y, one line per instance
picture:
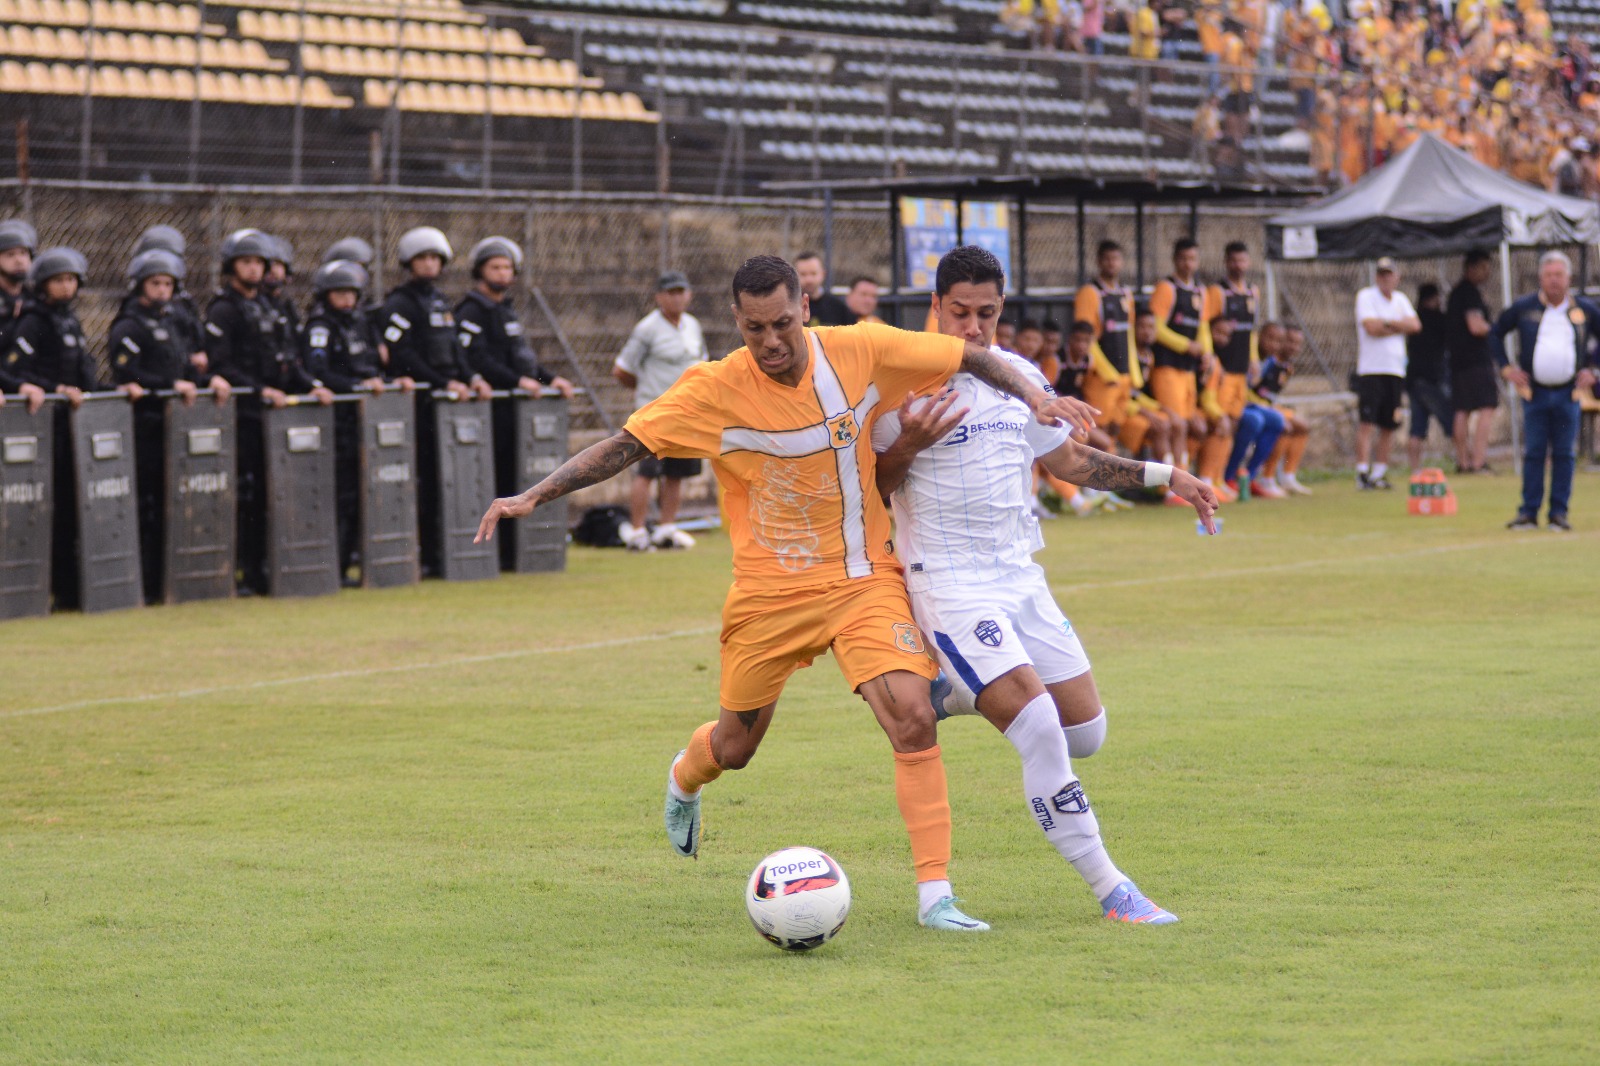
column 1357, row 752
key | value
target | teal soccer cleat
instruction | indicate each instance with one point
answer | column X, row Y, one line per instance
column 1127, row 904
column 683, row 819
column 946, row 915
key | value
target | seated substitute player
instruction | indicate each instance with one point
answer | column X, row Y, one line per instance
column 1272, row 378
column 962, row 526
column 781, row 420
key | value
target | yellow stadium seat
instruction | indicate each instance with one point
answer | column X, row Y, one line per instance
column 108, row 81
column 19, row 41
column 161, row 84
column 459, row 67
column 250, row 24
column 457, row 95
column 66, row 79
column 375, row 93
column 165, row 51
column 69, row 43
column 13, row 77
column 37, row 78
column 8, row 12
column 137, row 82
column 210, row 89
column 251, row 91
column 229, row 89
column 182, row 85
column 140, row 49
column 509, row 41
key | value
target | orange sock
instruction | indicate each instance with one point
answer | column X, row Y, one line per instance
column 1214, row 456
column 698, row 766
column 1270, row 469
column 919, row 788
column 1296, row 451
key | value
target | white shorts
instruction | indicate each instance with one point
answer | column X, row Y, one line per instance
column 983, row 631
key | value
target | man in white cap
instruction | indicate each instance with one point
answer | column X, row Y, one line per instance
column 664, row 344
column 1384, row 319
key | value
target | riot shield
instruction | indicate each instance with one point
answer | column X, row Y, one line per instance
column 390, row 554
column 538, row 444
column 201, row 448
column 465, row 477
column 26, row 500
column 302, row 529
column 109, row 577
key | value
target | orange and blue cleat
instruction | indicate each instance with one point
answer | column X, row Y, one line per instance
column 1127, row 904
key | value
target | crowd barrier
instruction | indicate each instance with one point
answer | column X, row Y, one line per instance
column 413, row 470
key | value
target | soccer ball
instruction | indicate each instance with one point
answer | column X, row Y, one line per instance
column 798, row 898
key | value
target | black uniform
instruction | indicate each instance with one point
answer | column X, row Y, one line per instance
column 148, row 346
column 336, row 348
column 1116, row 327
column 1188, row 305
column 491, row 336
column 11, row 308
column 420, row 331
column 183, row 322
column 48, row 349
column 1239, row 307
column 249, row 347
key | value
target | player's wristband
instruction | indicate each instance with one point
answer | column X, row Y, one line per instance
column 1156, row 474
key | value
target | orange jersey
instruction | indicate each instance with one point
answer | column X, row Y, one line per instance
column 796, row 465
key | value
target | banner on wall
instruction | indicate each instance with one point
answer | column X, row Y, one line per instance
column 928, row 231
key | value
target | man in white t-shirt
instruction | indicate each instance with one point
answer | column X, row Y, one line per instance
column 664, row 344
column 958, row 470
column 1384, row 319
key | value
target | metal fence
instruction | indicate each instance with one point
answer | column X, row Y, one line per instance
column 780, row 104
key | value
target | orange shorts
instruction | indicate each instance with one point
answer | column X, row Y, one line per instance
column 1175, row 389
column 1231, row 394
column 1113, row 400
column 767, row 636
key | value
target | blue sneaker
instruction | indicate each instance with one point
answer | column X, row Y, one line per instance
column 1127, row 904
column 946, row 915
column 939, row 690
column 683, row 820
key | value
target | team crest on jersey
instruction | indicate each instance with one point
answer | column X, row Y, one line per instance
column 907, row 637
column 842, row 430
column 988, row 632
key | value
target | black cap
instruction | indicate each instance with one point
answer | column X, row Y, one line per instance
column 672, row 279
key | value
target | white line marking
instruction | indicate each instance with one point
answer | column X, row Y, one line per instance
column 464, row 660
column 647, row 638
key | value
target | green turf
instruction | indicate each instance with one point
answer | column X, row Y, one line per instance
column 1356, row 751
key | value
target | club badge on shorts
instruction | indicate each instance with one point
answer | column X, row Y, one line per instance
column 907, row 638
column 988, row 632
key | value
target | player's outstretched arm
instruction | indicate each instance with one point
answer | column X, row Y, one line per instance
column 1051, row 410
column 594, row 464
column 1079, row 464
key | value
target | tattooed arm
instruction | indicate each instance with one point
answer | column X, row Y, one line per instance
column 989, row 368
column 1079, row 464
column 594, row 464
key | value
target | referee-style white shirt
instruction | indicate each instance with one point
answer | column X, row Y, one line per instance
column 657, row 353
column 962, row 515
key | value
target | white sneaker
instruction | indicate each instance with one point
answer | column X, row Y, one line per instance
column 1291, row 484
column 1082, row 506
column 634, row 538
column 1040, row 511
column 668, row 535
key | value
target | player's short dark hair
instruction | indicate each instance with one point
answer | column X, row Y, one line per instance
column 1106, row 246
column 1183, row 244
column 1428, row 290
column 1234, row 247
column 1050, row 325
column 970, row 264
column 761, row 274
column 1083, row 326
column 860, row 278
column 808, row 255
column 1474, row 257
column 1029, row 323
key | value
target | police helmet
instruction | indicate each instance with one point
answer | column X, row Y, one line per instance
column 154, row 263
column 166, row 238
column 353, row 249
column 282, row 252
column 339, row 274
column 414, row 242
column 490, row 247
column 15, row 233
column 243, row 242
column 53, row 261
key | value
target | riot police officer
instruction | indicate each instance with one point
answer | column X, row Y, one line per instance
column 280, row 268
column 489, row 330
column 48, row 349
column 336, row 348
column 183, row 314
column 148, row 347
column 355, row 250
column 18, row 242
column 247, row 346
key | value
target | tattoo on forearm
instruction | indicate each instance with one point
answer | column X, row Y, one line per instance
column 1100, row 470
column 748, row 719
column 591, row 466
column 986, row 367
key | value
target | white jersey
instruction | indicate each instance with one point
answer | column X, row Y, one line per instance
column 962, row 515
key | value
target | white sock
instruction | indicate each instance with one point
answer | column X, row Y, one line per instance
column 1362, row 468
column 929, row 893
column 1055, row 798
column 1085, row 738
column 1167, row 458
column 1379, row 469
column 677, row 790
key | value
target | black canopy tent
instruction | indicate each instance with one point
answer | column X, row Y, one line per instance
column 1022, row 190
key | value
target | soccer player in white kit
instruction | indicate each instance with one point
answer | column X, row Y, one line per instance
column 957, row 470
